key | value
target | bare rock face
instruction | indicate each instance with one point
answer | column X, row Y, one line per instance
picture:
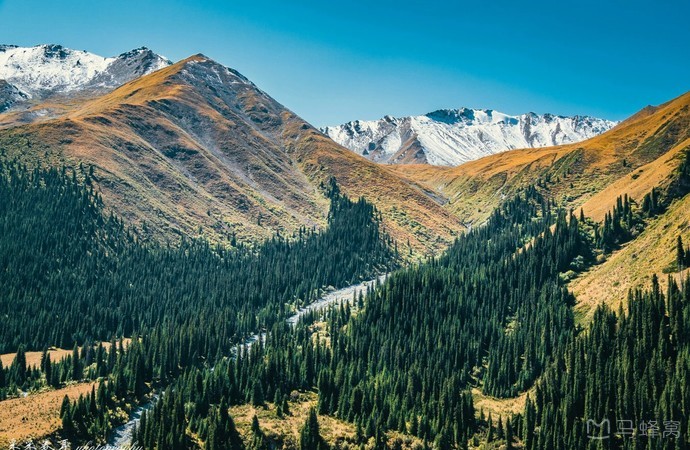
column 9, row 95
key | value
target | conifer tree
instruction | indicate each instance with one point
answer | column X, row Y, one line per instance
column 76, row 373
column 310, row 437
column 680, row 253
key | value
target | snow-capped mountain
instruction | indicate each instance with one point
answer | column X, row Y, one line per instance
column 452, row 137
column 45, row 70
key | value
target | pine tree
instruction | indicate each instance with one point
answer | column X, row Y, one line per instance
column 310, row 437
column 509, row 435
column 47, row 367
column 489, row 429
column 76, row 373
column 258, row 438
column 257, row 393
column 286, row 405
column 680, row 253
column 66, row 415
column 18, row 367
column 230, row 434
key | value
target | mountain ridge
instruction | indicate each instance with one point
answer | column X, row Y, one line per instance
column 590, row 173
column 450, row 137
column 196, row 148
column 49, row 70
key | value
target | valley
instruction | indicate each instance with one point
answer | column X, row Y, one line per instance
column 156, row 217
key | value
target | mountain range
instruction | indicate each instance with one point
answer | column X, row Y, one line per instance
column 505, row 266
column 450, row 137
column 195, row 148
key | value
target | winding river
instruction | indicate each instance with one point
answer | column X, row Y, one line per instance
column 121, row 436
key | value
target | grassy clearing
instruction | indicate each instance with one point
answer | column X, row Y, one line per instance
column 504, row 407
column 33, row 359
column 36, row 416
column 287, row 428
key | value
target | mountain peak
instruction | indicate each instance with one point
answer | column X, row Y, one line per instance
column 138, row 51
column 51, row 69
column 451, row 137
column 452, row 115
column 200, row 66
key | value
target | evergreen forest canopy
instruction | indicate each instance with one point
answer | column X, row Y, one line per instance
column 493, row 312
column 72, row 275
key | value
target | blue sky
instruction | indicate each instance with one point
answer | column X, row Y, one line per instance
column 332, row 61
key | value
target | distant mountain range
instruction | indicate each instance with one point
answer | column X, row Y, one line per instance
column 452, row 137
column 29, row 75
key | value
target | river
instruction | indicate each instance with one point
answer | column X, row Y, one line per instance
column 121, row 437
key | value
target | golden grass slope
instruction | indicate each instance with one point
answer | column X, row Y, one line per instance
column 653, row 251
column 196, row 149
column 35, row 416
column 571, row 174
column 33, row 359
column 287, row 428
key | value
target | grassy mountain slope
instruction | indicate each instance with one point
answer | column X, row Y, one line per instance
column 642, row 153
column 652, row 252
column 196, row 148
column 572, row 174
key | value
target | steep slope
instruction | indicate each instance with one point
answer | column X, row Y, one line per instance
column 452, row 137
column 9, row 95
column 196, row 148
column 641, row 154
column 652, row 252
column 571, row 174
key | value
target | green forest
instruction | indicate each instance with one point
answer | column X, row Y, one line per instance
column 492, row 312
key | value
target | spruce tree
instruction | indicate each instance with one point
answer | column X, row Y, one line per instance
column 257, row 394
column 680, row 253
column 18, row 367
column 310, row 437
column 76, row 373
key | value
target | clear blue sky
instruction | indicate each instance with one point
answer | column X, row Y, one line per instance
column 334, row 61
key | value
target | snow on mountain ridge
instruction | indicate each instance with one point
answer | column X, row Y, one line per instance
column 451, row 137
column 50, row 69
